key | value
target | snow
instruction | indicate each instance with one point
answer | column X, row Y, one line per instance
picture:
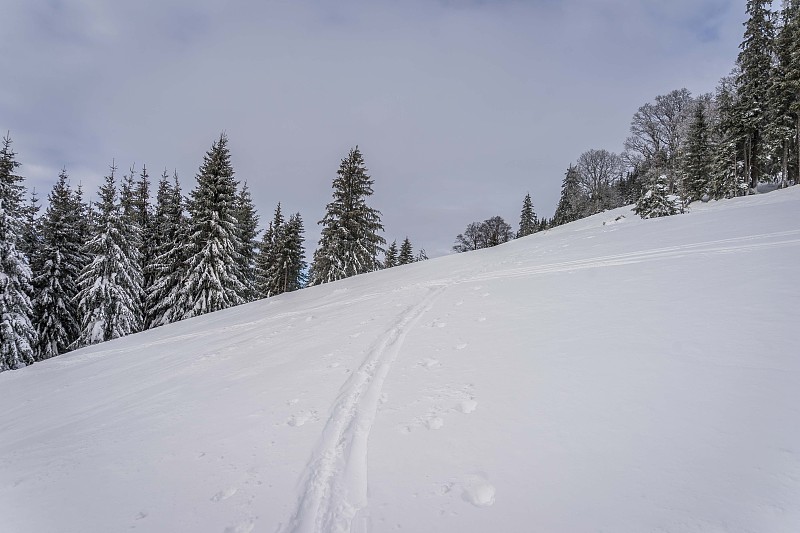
column 630, row 377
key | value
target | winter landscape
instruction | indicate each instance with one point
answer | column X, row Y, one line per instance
column 252, row 339
column 612, row 374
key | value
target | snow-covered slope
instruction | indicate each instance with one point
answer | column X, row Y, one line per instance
column 627, row 376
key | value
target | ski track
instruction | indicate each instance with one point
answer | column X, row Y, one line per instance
column 334, row 485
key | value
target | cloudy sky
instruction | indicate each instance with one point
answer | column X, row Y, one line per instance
column 460, row 107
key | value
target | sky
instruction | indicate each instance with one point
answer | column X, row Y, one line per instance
column 460, row 107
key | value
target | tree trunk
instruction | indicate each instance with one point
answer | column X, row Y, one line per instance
column 747, row 175
column 785, row 164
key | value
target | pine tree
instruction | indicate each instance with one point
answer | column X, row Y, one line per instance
column 56, row 286
column 528, row 223
column 571, row 204
column 213, row 278
column 421, row 255
column 17, row 334
column 110, row 286
column 697, row 161
column 755, row 65
column 406, row 253
column 169, row 249
column 390, row 256
column 349, row 242
column 656, row 201
column 247, row 227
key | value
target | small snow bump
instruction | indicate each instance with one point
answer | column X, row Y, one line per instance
column 467, row 406
column 435, row 423
column 461, row 346
column 429, row 363
column 479, row 494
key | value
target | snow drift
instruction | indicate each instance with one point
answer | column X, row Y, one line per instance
column 613, row 374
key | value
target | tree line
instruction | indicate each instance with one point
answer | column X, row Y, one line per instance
column 83, row 273
column 685, row 148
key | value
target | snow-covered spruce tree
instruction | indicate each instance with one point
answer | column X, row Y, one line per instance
column 572, row 202
column 17, row 334
column 169, row 249
column 349, row 243
column 247, row 227
column 406, row 253
column 294, row 254
column 110, row 286
column 656, row 200
column 697, row 160
column 268, row 262
column 213, row 277
column 390, row 256
column 56, row 286
column 421, row 255
column 142, row 213
column 783, row 127
column 528, row 222
column 755, row 64
column 281, row 262
column 31, row 233
column 132, row 229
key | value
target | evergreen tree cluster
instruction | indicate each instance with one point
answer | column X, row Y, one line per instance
column 81, row 274
column 684, row 149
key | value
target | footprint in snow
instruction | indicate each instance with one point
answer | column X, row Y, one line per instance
column 299, row 419
column 428, row 363
column 467, row 406
column 461, row 346
column 243, row 527
column 435, row 422
column 224, row 494
column 355, row 335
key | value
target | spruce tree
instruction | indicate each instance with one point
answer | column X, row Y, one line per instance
column 62, row 257
column 17, row 334
column 143, row 215
column 390, row 256
column 656, row 200
column 294, row 254
column 528, row 222
column 247, row 228
column 213, row 277
column 783, row 129
column 270, row 258
column 697, row 161
column 169, row 249
column 406, row 253
column 570, row 205
column 349, row 242
column 421, row 255
column 755, row 64
column 110, row 286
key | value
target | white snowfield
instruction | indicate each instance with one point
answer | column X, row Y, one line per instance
column 613, row 374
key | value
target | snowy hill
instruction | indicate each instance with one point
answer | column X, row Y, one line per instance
column 613, row 375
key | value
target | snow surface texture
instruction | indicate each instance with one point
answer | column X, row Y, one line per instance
column 636, row 376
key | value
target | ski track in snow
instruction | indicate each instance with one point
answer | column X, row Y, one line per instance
column 334, row 485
